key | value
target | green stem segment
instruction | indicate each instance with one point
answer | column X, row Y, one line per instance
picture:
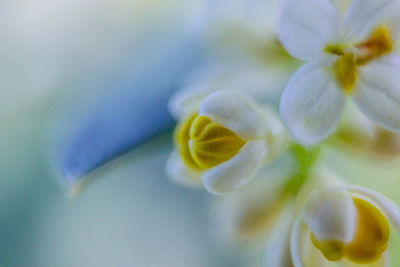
column 305, row 159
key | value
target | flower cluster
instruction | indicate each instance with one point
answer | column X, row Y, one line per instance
column 267, row 157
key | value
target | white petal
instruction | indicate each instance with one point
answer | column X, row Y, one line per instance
column 248, row 215
column 306, row 27
column 277, row 249
column 299, row 229
column 330, row 214
column 237, row 171
column 377, row 93
column 389, row 208
column 203, row 81
column 303, row 252
column 311, row 104
column 236, row 112
column 187, row 101
column 180, row 174
column 364, row 15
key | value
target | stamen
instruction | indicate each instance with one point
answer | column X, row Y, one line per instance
column 204, row 144
column 378, row 44
column 182, row 137
column 372, row 235
column 345, row 71
column 370, row 239
column 332, row 250
column 336, row 49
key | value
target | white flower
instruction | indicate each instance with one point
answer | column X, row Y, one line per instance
column 349, row 225
column 364, row 138
column 249, row 216
column 223, row 143
column 243, row 54
column 348, row 53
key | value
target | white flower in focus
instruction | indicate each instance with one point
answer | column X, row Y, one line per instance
column 223, row 142
column 348, row 225
column 350, row 52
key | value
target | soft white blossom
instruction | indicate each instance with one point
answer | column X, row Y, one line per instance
column 350, row 51
column 345, row 224
column 223, row 142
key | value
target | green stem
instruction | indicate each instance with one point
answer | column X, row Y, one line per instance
column 305, row 159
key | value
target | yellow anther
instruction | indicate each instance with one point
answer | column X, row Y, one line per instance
column 204, row 144
column 372, row 234
column 336, row 49
column 345, row 72
column 332, row 250
column 182, row 137
column 370, row 239
column 378, row 44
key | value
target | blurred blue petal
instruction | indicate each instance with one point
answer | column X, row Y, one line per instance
column 133, row 113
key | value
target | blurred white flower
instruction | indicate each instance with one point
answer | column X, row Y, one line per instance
column 243, row 54
column 346, row 224
column 248, row 217
column 223, row 142
column 348, row 53
column 363, row 137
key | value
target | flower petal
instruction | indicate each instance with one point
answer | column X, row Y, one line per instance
column 303, row 252
column 177, row 171
column 236, row 112
column 330, row 214
column 377, row 93
column 389, row 208
column 364, row 15
column 306, row 27
column 277, row 250
column 237, row 171
column 311, row 104
column 250, row 214
column 299, row 229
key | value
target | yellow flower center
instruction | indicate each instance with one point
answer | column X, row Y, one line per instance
column 370, row 240
column 204, row 144
column 344, row 69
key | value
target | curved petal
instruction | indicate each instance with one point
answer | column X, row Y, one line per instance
column 249, row 215
column 330, row 214
column 377, row 93
column 299, row 229
column 389, row 208
column 177, row 171
column 363, row 15
column 187, row 101
column 311, row 104
column 200, row 83
column 306, row 27
column 303, row 252
column 277, row 249
column 237, row 171
column 236, row 112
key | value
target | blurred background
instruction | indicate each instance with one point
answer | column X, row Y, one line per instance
column 60, row 59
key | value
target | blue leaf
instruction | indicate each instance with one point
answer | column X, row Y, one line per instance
column 133, row 113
